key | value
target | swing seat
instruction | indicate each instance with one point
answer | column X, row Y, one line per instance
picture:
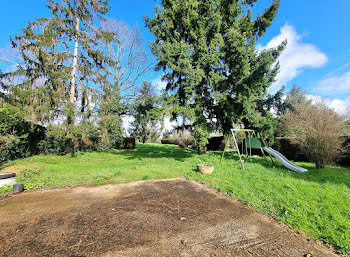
column 253, row 142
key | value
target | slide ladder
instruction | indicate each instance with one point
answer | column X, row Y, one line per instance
column 284, row 160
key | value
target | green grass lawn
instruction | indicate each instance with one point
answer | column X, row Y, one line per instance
column 316, row 203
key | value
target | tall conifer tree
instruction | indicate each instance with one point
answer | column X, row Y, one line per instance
column 206, row 49
column 61, row 62
column 74, row 28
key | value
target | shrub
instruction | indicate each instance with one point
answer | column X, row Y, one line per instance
column 201, row 136
column 166, row 134
column 344, row 158
column 181, row 139
column 54, row 145
column 316, row 129
column 18, row 138
column 86, row 137
column 111, row 134
column 12, row 147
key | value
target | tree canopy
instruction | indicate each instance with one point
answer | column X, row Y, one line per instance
column 207, row 52
column 60, row 73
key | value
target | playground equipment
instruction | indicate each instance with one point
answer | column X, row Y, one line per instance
column 252, row 140
column 286, row 163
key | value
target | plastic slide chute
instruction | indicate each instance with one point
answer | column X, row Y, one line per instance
column 286, row 163
column 251, row 140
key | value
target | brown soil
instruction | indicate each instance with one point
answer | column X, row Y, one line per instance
column 13, row 169
column 151, row 218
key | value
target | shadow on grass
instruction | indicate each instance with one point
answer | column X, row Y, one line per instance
column 334, row 175
column 231, row 155
column 157, row 151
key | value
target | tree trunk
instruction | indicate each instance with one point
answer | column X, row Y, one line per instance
column 75, row 62
column 71, row 147
column 71, row 115
column 202, row 149
column 320, row 165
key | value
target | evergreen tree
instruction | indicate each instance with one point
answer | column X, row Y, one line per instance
column 110, row 109
column 207, row 50
column 266, row 117
column 74, row 27
column 146, row 114
column 61, row 63
column 36, row 85
column 296, row 96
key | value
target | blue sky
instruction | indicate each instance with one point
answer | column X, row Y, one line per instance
column 317, row 57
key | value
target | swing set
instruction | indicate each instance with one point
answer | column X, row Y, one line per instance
column 249, row 139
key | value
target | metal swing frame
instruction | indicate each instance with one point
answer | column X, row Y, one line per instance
column 251, row 133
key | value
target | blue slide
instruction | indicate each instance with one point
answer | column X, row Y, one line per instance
column 286, row 163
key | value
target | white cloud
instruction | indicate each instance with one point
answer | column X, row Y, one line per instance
column 161, row 85
column 339, row 106
column 335, row 85
column 295, row 57
column 338, row 70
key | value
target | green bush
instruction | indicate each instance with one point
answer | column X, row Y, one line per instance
column 18, row 138
column 54, row 145
column 12, row 147
column 86, row 137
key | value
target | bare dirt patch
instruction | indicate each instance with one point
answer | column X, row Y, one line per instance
column 151, row 218
column 13, row 169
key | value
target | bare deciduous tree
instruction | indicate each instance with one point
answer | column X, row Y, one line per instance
column 316, row 129
column 129, row 59
column 127, row 66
